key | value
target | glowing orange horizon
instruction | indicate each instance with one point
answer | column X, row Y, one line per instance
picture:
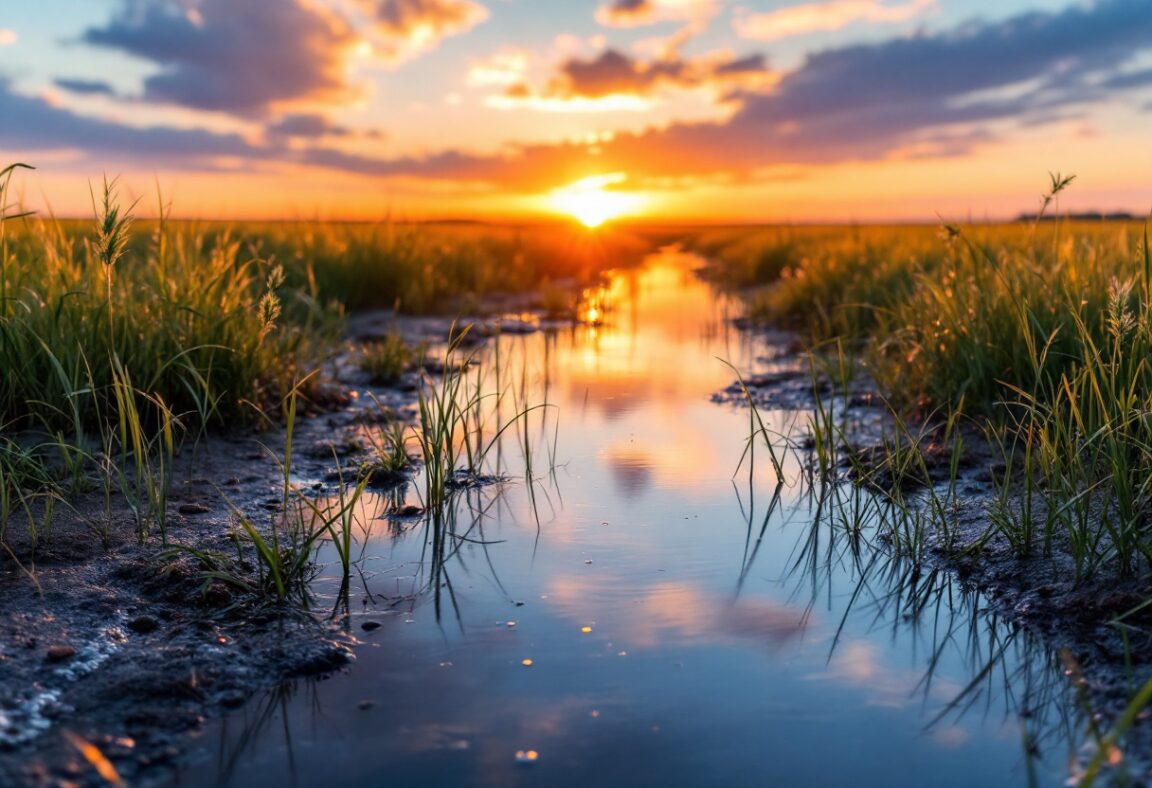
column 592, row 204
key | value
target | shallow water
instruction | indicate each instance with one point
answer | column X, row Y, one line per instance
column 685, row 624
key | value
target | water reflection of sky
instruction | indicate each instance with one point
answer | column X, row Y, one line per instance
column 682, row 631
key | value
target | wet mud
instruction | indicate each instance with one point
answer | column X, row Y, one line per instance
column 127, row 647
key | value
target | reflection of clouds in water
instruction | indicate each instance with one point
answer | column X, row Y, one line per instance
column 859, row 663
column 676, row 453
column 632, row 472
column 862, row 665
column 692, row 614
column 951, row 736
column 435, row 736
column 611, row 396
column 680, row 612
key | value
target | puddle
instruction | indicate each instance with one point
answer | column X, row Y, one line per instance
column 639, row 615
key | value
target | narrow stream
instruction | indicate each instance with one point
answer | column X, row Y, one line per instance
column 686, row 624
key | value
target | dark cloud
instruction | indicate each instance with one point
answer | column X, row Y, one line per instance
column 626, row 12
column 305, row 124
column 313, row 126
column 423, row 22
column 549, row 165
column 237, row 57
column 752, row 64
column 1063, row 52
column 88, row 87
column 1135, row 79
column 43, row 126
column 612, row 72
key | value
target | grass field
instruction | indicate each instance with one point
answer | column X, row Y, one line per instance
column 1035, row 334
column 121, row 339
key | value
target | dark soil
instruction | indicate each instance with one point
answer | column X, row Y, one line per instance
column 126, row 646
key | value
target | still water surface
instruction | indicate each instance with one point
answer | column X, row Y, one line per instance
column 684, row 626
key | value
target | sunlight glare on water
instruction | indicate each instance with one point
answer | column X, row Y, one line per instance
column 645, row 616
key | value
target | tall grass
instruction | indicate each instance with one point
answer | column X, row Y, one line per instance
column 114, row 348
column 197, row 325
column 1037, row 334
column 121, row 337
column 437, row 268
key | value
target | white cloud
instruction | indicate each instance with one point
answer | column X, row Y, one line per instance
column 825, row 17
column 505, row 68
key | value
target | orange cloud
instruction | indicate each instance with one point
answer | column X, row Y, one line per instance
column 7, row 37
column 636, row 13
column 614, row 75
column 824, row 17
column 419, row 25
column 313, row 126
column 689, row 613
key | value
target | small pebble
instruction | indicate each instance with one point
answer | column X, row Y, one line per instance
column 59, row 653
column 368, row 626
column 364, row 705
column 193, row 508
column 526, row 663
column 527, row 756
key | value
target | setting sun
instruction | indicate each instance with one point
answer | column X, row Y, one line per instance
column 591, row 203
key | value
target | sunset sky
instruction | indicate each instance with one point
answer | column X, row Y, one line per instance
column 714, row 110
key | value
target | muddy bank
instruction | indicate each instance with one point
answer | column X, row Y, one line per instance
column 1098, row 627
column 129, row 647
